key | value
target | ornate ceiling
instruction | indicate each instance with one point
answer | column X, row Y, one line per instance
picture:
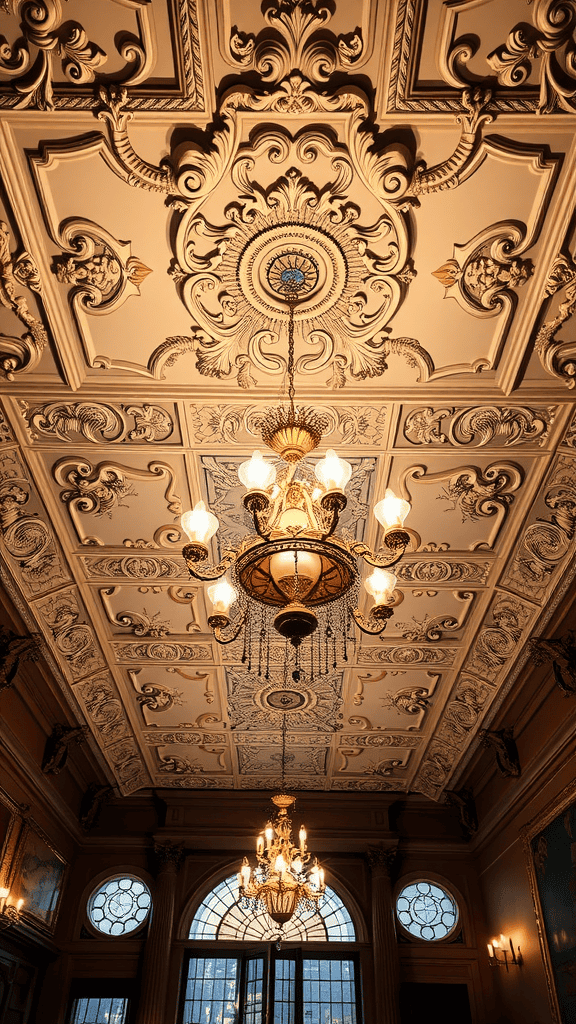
column 157, row 159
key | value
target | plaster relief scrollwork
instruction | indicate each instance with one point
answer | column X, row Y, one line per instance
column 479, row 426
column 429, row 629
column 134, row 567
column 162, row 651
column 97, row 423
column 73, row 638
column 253, row 706
column 443, row 572
column 498, row 641
column 98, row 490
column 210, row 423
column 406, row 655
column 104, row 709
column 158, row 698
column 100, row 270
column 551, row 41
column 549, row 538
column 558, row 356
column 58, row 41
column 18, row 354
column 27, row 537
column 293, row 24
column 140, row 623
column 476, row 493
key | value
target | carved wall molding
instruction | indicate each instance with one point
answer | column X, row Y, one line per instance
column 369, row 785
column 19, row 354
column 101, row 271
column 406, row 655
column 440, row 571
column 558, row 356
column 50, row 46
column 97, row 423
column 548, row 538
column 358, row 740
column 479, row 426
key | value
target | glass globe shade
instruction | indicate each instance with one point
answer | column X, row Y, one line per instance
column 333, row 472
column 295, row 572
column 222, row 595
column 199, row 524
column 256, row 473
column 392, row 511
column 380, row 585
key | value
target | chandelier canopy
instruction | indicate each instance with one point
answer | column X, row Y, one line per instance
column 295, row 572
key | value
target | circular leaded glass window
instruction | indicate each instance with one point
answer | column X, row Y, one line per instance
column 427, row 911
column 120, row 905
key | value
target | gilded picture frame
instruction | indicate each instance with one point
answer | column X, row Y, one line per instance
column 39, row 876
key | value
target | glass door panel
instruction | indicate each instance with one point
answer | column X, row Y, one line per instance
column 284, row 992
column 328, row 992
column 211, row 991
column 254, row 991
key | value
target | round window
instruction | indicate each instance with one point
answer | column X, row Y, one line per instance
column 120, row 905
column 427, row 911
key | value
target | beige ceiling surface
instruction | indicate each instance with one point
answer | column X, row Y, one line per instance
column 156, row 157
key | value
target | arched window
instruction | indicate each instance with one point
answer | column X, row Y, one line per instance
column 220, row 916
column 227, row 984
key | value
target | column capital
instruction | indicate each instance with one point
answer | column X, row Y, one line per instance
column 168, row 854
column 383, row 858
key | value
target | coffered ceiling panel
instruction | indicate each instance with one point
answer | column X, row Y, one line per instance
column 157, row 161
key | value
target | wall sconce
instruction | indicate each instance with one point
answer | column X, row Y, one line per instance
column 9, row 912
column 500, row 956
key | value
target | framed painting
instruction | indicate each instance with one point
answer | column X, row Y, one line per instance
column 39, row 876
column 550, row 845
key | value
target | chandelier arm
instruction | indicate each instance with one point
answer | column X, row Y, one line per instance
column 195, row 553
column 376, row 622
column 332, row 505
column 381, row 558
column 259, row 505
column 223, row 637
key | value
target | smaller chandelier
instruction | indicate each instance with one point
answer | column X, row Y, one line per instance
column 285, row 877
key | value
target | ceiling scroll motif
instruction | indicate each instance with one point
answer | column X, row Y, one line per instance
column 24, row 352
column 479, row 426
column 558, row 356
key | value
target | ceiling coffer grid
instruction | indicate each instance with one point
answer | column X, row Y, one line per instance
column 437, row 340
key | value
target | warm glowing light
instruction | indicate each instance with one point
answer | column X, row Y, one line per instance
column 260, row 845
column 490, row 951
column 302, row 837
column 295, row 572
column 380, row 585
column 222, row 595
column 256, row 473
column 280, row 864
column 19, row 904
column 199, row 524
column 269, row 836
column 4, row 893
column 333, row 472
column 392, row 511
column 297, row 865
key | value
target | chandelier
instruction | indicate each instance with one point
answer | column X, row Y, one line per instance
column 285, row 877
column 295, row 573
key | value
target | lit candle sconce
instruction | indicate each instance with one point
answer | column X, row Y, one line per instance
column 499, row 955
column 9, row 912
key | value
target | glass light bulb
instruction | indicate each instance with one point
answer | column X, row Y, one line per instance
column 4, row 893
column 257, row 474
column 280, row 864
column 199, row 524
column 380, row 585
column 295, row 572
column 222, row 594
column 392, row 511
column 333, row 472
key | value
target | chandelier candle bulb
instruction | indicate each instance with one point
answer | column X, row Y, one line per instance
column 199, row 524
column 260, row 846
column 391, row 511
column 380, row 585
column 269, row 837
column 256, row 473
column 302, row 837
column 4, row 894
column 333, row 472
column 222, row 595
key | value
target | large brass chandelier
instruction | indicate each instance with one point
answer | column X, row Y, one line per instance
column 295, row 574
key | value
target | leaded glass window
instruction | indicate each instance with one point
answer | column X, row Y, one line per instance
column 120, row 905
column 211, row 991
column 427, row 911
column 220, row 916
column 328, row 991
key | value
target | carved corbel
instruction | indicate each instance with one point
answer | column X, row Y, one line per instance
column 92, row 802
column 383, row 859
column 57, row 744
column 501, row 741
column 556, row 649
column 463, row 801
column 13, row 650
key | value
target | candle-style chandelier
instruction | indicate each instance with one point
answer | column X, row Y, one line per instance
column 295, row 573
column 286, row 876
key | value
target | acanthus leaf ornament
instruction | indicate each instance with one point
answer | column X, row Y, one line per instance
column 101, row 270
column 557, row 355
